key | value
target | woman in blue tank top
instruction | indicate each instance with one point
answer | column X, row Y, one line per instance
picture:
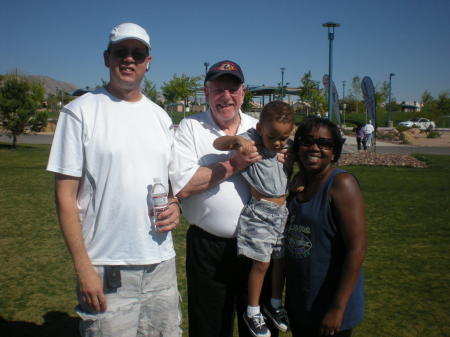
column 326, row 238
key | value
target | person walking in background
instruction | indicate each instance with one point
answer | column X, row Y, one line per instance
column 108, row 148
column 326, row 238
column 368, row 131
column 213, row 194
column 262, row 221
column 360, row 136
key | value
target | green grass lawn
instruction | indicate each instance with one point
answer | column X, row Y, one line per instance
column 406, row 269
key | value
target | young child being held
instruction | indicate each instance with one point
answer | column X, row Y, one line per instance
column 261, row 224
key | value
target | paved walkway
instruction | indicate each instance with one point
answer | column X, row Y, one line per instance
column 349, row 145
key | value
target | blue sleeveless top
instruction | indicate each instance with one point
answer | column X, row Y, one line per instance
column 314, row 258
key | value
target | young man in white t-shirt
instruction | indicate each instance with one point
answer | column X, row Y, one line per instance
column 108, row 148
column 368, row 130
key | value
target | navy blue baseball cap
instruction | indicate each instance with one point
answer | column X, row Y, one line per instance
column 224, row 68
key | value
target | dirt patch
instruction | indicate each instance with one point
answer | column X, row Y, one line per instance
column 420, row 139
column 380, row 159
column 414, row 137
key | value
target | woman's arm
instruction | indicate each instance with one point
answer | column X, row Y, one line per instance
column 348, row 203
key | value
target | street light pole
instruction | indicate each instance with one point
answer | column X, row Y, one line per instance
column 390, row 123
column 343, row 90
column 330, row 26
column 343, row 100
column 206, row 64
column 282, row 82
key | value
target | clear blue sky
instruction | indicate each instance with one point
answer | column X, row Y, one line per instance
column 65, row 39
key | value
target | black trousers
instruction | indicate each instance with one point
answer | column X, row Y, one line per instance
column 217, row 285
column 362, row 141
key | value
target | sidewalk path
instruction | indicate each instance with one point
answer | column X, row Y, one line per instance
column 349, row 145
column 384, row 147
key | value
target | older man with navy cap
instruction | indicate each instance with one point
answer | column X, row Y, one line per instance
column 213, row 195
column 109, row 147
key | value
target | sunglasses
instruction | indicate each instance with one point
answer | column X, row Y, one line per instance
column 137, row 54
column 322, row 143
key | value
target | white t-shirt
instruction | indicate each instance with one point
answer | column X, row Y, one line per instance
column 117, row 148
column 368, row 129
column 217, row 209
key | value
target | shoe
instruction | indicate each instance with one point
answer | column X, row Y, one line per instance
column 257, row 325
column 278, row 317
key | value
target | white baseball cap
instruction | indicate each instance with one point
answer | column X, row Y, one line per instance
column 129, row 31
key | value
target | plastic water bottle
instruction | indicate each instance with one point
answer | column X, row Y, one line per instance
column 159, row 201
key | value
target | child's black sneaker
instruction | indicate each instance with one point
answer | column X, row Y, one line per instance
column 278, row 316
column 257, row 325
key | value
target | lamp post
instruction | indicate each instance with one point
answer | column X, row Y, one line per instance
column 282, row 82
column 343, row 90
column 389, row 122
column 330, row 26
column 206, row 64
column 343, row 100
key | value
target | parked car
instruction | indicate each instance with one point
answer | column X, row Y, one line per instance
column 421, row 123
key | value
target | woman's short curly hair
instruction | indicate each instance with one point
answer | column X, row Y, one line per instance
column 312, row 123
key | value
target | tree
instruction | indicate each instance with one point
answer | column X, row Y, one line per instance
column 435, row 108
column 180, row 88
column 442, row 104
column 150, row 91
column 427, row 98
column 311, row 93
column 383, row 91
column 382, row 95
column 19, row 100
column 247, row 104
column 102, row 84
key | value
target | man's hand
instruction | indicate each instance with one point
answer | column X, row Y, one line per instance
column 170, row 218
column 91, row 289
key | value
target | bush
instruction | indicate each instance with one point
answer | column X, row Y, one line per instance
column 405, row 138
column 401, row 128
column 433, row 134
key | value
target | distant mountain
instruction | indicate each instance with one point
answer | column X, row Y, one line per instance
column 53, row 86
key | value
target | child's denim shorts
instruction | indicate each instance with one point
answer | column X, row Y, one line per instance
column 260, row 233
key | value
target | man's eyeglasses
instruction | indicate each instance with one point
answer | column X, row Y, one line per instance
column 138, row 55
column 322, row 143
column 232, row 92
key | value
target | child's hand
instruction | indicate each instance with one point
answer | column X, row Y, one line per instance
column 246, row 146
column 297, row 183
column 282, row 156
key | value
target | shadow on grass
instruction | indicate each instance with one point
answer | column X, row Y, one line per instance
column 56, row 324
column 5, row 146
